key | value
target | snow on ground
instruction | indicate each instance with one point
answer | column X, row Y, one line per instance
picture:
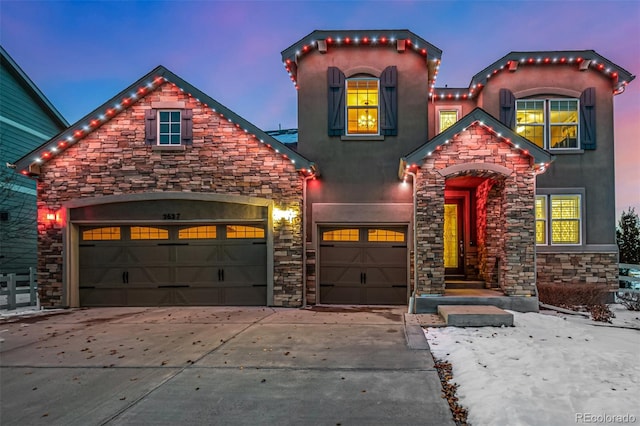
column 550, row 369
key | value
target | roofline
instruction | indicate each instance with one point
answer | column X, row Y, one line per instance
column 31, row 86
column 620, row 76
column 122, row 101
column 483, row 118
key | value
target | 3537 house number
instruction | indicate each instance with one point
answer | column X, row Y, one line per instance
column 171, row 216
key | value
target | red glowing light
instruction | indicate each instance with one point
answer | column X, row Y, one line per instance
column 141, row 91
column 424, row 52
column 329, row 40
column 464, row 96
column 547, row 60
column 531, row 60
column 94, row 123
column 111, row 111
column 383, row 40
column 601, row 66
column 126, row 101
column 495, row 71
column 62, row 144
column 305, row 48
column 288, row 61
column 347, row 40
column 408, row 42
column 78, row 133
column 24, row 172
column 614, row 74
column 579, row 60
column 449, row 96
column 157, row 80
column 563, row 60
column 46, row 155
column 365, row 40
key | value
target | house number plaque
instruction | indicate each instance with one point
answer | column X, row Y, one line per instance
column 171, row 216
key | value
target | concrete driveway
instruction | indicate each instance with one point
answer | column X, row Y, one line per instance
column 218, row 366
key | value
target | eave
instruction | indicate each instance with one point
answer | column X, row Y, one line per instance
column 30, row 164
column 325, row 40
column 582, row 60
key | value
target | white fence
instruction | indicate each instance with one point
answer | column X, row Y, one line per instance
column 12, row 285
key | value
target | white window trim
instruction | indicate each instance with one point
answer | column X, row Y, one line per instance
column 547, row 124
column 346, row 107
column 548, row 194
column 159, row 133
column 439, row 109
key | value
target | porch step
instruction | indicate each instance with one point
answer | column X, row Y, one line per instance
column 475, row 316
column 462, row 284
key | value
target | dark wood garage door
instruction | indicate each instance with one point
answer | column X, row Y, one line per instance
column 363, row 265
column 173, row 265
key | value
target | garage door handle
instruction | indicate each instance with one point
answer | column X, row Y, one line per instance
column 365, row 277
column 220, row 274
column 125, row 277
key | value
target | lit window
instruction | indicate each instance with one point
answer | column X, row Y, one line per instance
column 550, row 123
column 197, row 232
column 148, row 233
column 341, row 235
column 385, row 235
column 362, row 106
column 169, row 128
column 241, row 231
column 559, row 219
column 447, row 119
column 541, row 219
column 102, row 234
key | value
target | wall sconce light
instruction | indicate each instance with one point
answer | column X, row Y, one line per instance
column 288, row 214
column 50, row 217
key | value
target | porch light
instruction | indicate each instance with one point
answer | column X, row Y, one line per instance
column 279, row 214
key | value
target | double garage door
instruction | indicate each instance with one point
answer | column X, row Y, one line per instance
column 363, row 265
column 133, row 265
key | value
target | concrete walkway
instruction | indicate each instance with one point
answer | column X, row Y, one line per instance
column 218, row 366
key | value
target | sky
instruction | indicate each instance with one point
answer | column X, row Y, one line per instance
column 82, row 53
column 552, row 370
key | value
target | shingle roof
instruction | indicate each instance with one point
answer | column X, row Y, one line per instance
column 128, row 97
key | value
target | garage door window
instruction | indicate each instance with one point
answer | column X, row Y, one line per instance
column 102, row 234
column 197, row 232
column 341, row 235
column 385, row 235
column 241, row 231
column 148, row 233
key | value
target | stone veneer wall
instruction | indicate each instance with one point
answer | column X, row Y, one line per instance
column 577, row 268
column 509, row 207
column 223, row 159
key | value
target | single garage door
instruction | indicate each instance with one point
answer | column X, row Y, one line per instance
column 216, row 264
column 363, row 265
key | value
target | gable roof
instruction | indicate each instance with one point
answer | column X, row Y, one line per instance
column 129, row 96
column 582, row 59
column 323, row 40
column 32, row 89
column 477, row 117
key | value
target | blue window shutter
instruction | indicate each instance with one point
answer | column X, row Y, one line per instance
column 186, row 127
column 336, row 82
column 507, row 108
column 150, row 127
column 389, row 101
column 588, row 118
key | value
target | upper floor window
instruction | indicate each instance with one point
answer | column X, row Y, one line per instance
column 549, row 123
column 169, row 127
column 362, row 106
column 447, row 118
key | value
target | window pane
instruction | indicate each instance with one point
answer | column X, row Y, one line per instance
column 175, row 128
column 541, row 232
column 564, row 136
column 241, row 231
column 175, row 116
column 341, row 235
column 164, row 128
column 530, row 121
column 385, row 235
column 362, row 106
column 148, row 233
column 164, row 139
column 164, row 116
column 175, row 139
column 447, row 119
column 102, row 234
column 565, row 219
column 198, row 232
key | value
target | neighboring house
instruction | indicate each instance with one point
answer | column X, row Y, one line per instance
column 163, row 196
column 27, row 119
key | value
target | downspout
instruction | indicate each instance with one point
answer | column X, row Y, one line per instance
column 304, row 239
column 412, row 299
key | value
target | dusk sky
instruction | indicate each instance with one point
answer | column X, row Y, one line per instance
column 81, row 53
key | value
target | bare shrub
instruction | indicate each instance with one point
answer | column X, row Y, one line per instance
column 573, row 296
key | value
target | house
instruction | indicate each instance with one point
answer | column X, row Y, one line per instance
column 27, row 119
column 398, row 192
